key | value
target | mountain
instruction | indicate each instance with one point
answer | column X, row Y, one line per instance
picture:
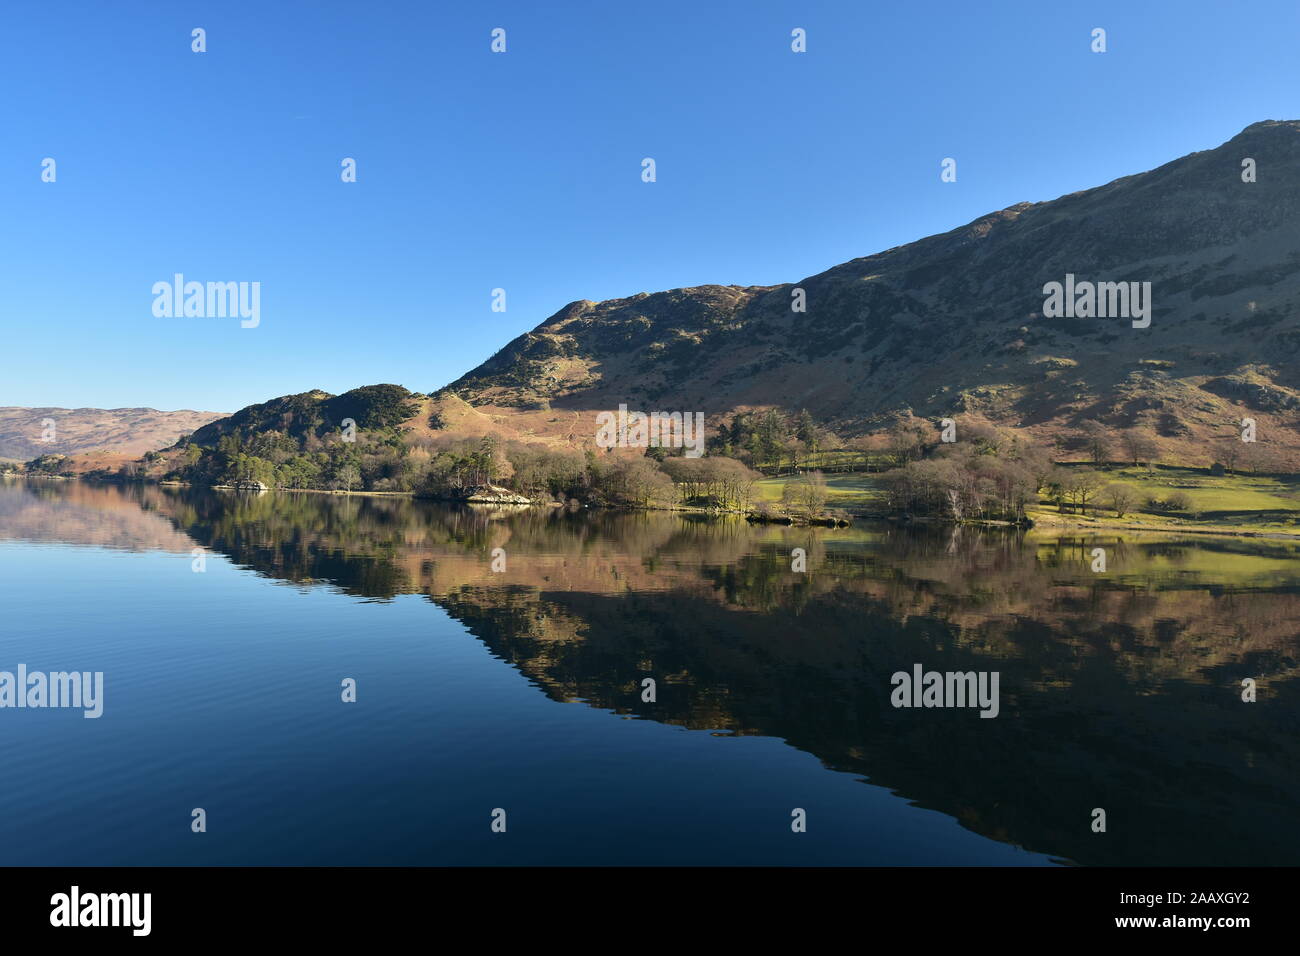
column 955, row 324
column 958, row 325
column 118, row 432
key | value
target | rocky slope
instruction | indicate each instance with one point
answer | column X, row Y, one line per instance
column 955, row 323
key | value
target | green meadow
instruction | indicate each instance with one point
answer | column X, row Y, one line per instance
column 1226, row 503
column 854, row 493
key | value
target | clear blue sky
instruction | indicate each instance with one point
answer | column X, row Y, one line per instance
column 522, row 170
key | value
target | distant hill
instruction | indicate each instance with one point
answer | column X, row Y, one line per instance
column 314, row 413
column 117, row 432
column 954, row 323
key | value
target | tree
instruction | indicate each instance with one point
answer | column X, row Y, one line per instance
column 487, row 463
column 1097, row 442
column 1259, row 459
column 1081, row 485
column 640, row 482
column 1055, row 485
column 348, row 476
column 712, row 482
column 984, row 439
column 796, row 448
column 860, row 449
column 906, row 442
column 811, row 493
column 1139, row 446
column 1120, row 498
column 1229, row 453
column 771, row 436
column 805, row 428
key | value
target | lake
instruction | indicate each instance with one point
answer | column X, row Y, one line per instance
column 500, row 661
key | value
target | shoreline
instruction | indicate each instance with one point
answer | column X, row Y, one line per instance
column 1101, row 526
column 1039, row 522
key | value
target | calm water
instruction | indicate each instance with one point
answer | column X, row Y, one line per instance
column 521, row 689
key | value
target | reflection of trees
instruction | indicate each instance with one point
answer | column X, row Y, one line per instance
column 1118, row 690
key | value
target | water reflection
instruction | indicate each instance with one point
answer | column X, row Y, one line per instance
column 1119, row 690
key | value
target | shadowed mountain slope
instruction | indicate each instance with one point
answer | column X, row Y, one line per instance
column 954, row 323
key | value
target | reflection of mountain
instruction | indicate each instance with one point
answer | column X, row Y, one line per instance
column 1118, row 691
column 73, row 513
column 1098, row 710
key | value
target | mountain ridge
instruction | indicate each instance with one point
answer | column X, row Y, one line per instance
column 949, row 325
column 969, row 301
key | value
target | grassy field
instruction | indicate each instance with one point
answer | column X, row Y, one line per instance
column 1225, row 504
column 851, row 492
column 1254, row 503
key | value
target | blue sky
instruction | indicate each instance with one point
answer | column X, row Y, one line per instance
column 522, row 170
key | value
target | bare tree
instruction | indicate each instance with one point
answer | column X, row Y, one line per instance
column 1120, row 498
column 1139, row 446
column 1097, row 442
column 1229, row 454
column 1082, row 485
column 807, row 494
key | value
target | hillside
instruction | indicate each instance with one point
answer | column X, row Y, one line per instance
column 951, row 326
column 954, row 323
column 120, row 433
